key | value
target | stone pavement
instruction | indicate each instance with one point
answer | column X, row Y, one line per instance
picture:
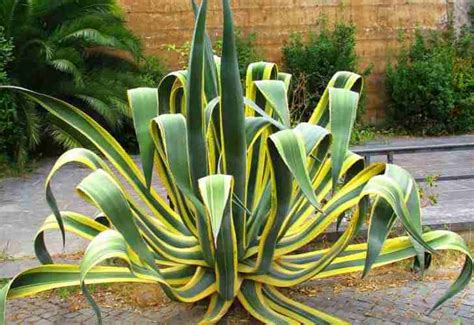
column 455, row 207
column 23, row 208
column 399, row 305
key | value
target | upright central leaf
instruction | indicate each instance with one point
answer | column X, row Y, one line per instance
column 216, row 191
column 210, row 70
column 194, row 101
column 232, row 123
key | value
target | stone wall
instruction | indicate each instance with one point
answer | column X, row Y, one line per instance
column 379, row 24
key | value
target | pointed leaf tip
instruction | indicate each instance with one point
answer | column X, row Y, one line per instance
column 215, row 191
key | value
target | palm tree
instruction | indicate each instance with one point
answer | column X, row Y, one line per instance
column 77, row 50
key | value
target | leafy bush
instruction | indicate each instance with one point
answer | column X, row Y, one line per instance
column 431, row 87
column 6, row 54
column 246, row 192
column 13, row 143
column 151, row 71
column 80, row 51
column 313, row 62
column 247, row 51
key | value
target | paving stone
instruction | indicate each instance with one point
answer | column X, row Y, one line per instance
column 47, row 314
column 38, row 312
column 393, row 312
column 465, row 320
column 354, row 316
column 44, row 322
column 426, row 320
column 468, row 302
column 362, row 304
column 377, row 321
column 466, row 313
column 381, row 311
column 418, row 322
column 32, row 319
column 71, row 315
column 24, row 210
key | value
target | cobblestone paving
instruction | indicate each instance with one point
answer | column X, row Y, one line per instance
column 455, row 198
column 23, row 208
column 402, row 305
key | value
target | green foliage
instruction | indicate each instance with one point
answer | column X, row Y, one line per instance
column 80, row 51
column 182, row 51
column 362, row 134
column 68, row 292
column 247, row 51
column 13, row 143
column 6, row 54
column 427, row 189
column 313, row 61
column 365, row 133
column 151, row 71
column 431, row 87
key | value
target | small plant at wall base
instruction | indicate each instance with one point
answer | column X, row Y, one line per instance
column 431, row 86
column 427, row 189
column 247, row 191
column 247, row 51
column 314, row 60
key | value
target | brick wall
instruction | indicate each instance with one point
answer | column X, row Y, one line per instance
column 378, row 22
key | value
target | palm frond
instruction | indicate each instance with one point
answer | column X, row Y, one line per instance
column 61, row 46
column 67, row 66
column 63, row 138
column 44, row 46
column 33, row 121
column 104, row 109
column 12, row 14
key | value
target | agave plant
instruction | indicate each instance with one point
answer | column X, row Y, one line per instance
column 247, row 191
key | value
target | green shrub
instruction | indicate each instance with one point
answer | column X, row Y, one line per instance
column 463, row 78
column 13, row 142
column 6, row 54
column 431, row 87
column 80, row 51
column 12, row 139
column 313, row 61
column 247, row 51
column 151, row 71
